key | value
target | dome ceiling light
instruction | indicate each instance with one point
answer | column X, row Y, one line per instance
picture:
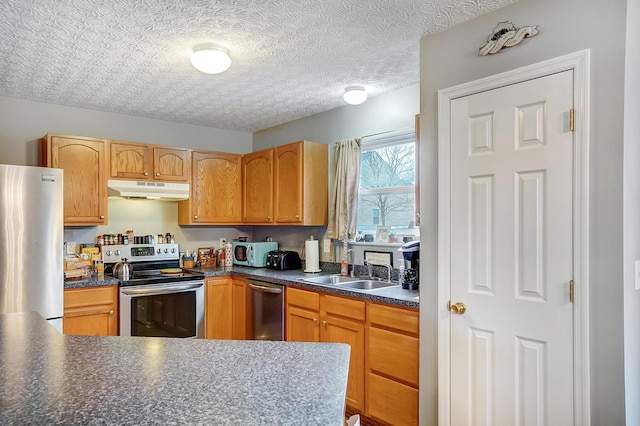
column 210, row 58
column 355, row 95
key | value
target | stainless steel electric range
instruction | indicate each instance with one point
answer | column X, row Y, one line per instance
column 158, row 299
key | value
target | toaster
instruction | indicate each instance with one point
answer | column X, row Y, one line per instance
column 283, row 260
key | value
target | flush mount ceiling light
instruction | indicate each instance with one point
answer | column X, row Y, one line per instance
column 210, row 58
column 355, row 95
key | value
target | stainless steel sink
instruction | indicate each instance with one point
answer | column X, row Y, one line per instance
column 331, row 279
column 366, row 284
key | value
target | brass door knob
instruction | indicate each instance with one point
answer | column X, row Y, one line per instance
column 458, row 308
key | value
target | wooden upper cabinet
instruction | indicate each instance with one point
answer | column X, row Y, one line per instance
column 147, row 162
column 215, row 190
column 257, row 186
column 171, row 164
column 85, row 182
column 301, row 183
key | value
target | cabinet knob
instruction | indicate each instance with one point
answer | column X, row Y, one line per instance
column 111, row 312
column 101, row 216
column 146, row 174
column 315, row 320
column 158, row 174
column 268, row 217
column 324, row 323
column 195, row 217
column 297, row 216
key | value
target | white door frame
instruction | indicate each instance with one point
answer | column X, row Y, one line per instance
column 578, row 62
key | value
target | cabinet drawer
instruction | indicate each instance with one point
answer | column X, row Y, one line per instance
column 303, row 298
column 392, row 402
column 342, row 306
column 79, row 297
column 393, row 354
column 394, row 318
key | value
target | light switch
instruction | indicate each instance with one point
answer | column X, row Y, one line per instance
column 326, row 245
column 637, row 274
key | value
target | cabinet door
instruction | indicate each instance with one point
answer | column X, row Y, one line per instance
column 218, row 308
column 91, row 311
column 171, row 164
column 257, row 187
column 340, row 330
column 85, row 183
column 288, row 183
column 302, row 325
column 391, row 402
column 215, row 190
column 239, row 316
column 130, row 161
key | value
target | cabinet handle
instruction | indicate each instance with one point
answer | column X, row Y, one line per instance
column 101, row 216
column 158, row 174
column 111, row 312
column 146, row 174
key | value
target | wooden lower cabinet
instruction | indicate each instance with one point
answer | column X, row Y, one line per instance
column 392, row 364
column 225, row 308
column 313, row 317
column 384, row 340
column 91, row 311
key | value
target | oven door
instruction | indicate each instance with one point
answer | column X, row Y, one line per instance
column 163, row 310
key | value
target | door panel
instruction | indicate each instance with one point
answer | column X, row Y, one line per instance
column 512, row 254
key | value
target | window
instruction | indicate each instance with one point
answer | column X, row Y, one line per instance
column 387, row 194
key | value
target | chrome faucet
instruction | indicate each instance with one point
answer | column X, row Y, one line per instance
column 353, row 263
column 389, row 268
column 369, row 269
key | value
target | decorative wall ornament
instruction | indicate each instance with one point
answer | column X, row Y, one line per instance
column 505, row 34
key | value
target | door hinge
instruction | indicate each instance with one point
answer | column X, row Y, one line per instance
column 571, row 291
column 572, row 118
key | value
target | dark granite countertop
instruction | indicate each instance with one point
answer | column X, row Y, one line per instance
column 389, row 295
column 49, row 378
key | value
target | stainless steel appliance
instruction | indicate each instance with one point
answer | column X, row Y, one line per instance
column 158, row 299
column 31, row 241
column 266, row 311
column 247, row 253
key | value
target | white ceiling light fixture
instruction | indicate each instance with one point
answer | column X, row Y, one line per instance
column 355, row 95
column 210, row 58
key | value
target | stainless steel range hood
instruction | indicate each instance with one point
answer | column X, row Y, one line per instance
column 150, row 190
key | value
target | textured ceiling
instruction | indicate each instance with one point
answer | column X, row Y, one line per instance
column 291, row 58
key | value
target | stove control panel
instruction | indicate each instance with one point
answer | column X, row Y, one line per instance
column 140, row 252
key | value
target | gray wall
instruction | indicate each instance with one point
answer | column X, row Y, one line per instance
column 22, row 123
column 631, row 214
column 383, row 113
column 450, row 58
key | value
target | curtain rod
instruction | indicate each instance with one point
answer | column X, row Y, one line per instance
column 388, row 131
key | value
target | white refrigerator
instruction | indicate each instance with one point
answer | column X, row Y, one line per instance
column 31, row 241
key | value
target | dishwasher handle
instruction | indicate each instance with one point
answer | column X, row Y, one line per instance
column 265, row 288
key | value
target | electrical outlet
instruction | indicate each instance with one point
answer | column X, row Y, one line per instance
column 327, row 245
column 637, row 274
column 223, row 242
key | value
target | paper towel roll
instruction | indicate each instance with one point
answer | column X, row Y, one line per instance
column 312, row 256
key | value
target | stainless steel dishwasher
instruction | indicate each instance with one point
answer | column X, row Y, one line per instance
column 266, row 311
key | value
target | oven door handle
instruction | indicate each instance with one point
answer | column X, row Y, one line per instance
column 164, row 289
column 265, row 289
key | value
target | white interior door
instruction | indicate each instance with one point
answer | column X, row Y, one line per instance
column 511, row 259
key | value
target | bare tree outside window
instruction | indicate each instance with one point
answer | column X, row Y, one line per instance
column 387, row 183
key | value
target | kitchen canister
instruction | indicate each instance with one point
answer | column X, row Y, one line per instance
column 312, row 255
column 228, row 254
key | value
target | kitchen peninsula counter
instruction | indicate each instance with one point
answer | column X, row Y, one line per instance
column 49, row 378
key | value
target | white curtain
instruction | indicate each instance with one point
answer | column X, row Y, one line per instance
column 344, row 193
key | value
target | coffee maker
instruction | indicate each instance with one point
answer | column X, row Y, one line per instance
column 409, row 275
